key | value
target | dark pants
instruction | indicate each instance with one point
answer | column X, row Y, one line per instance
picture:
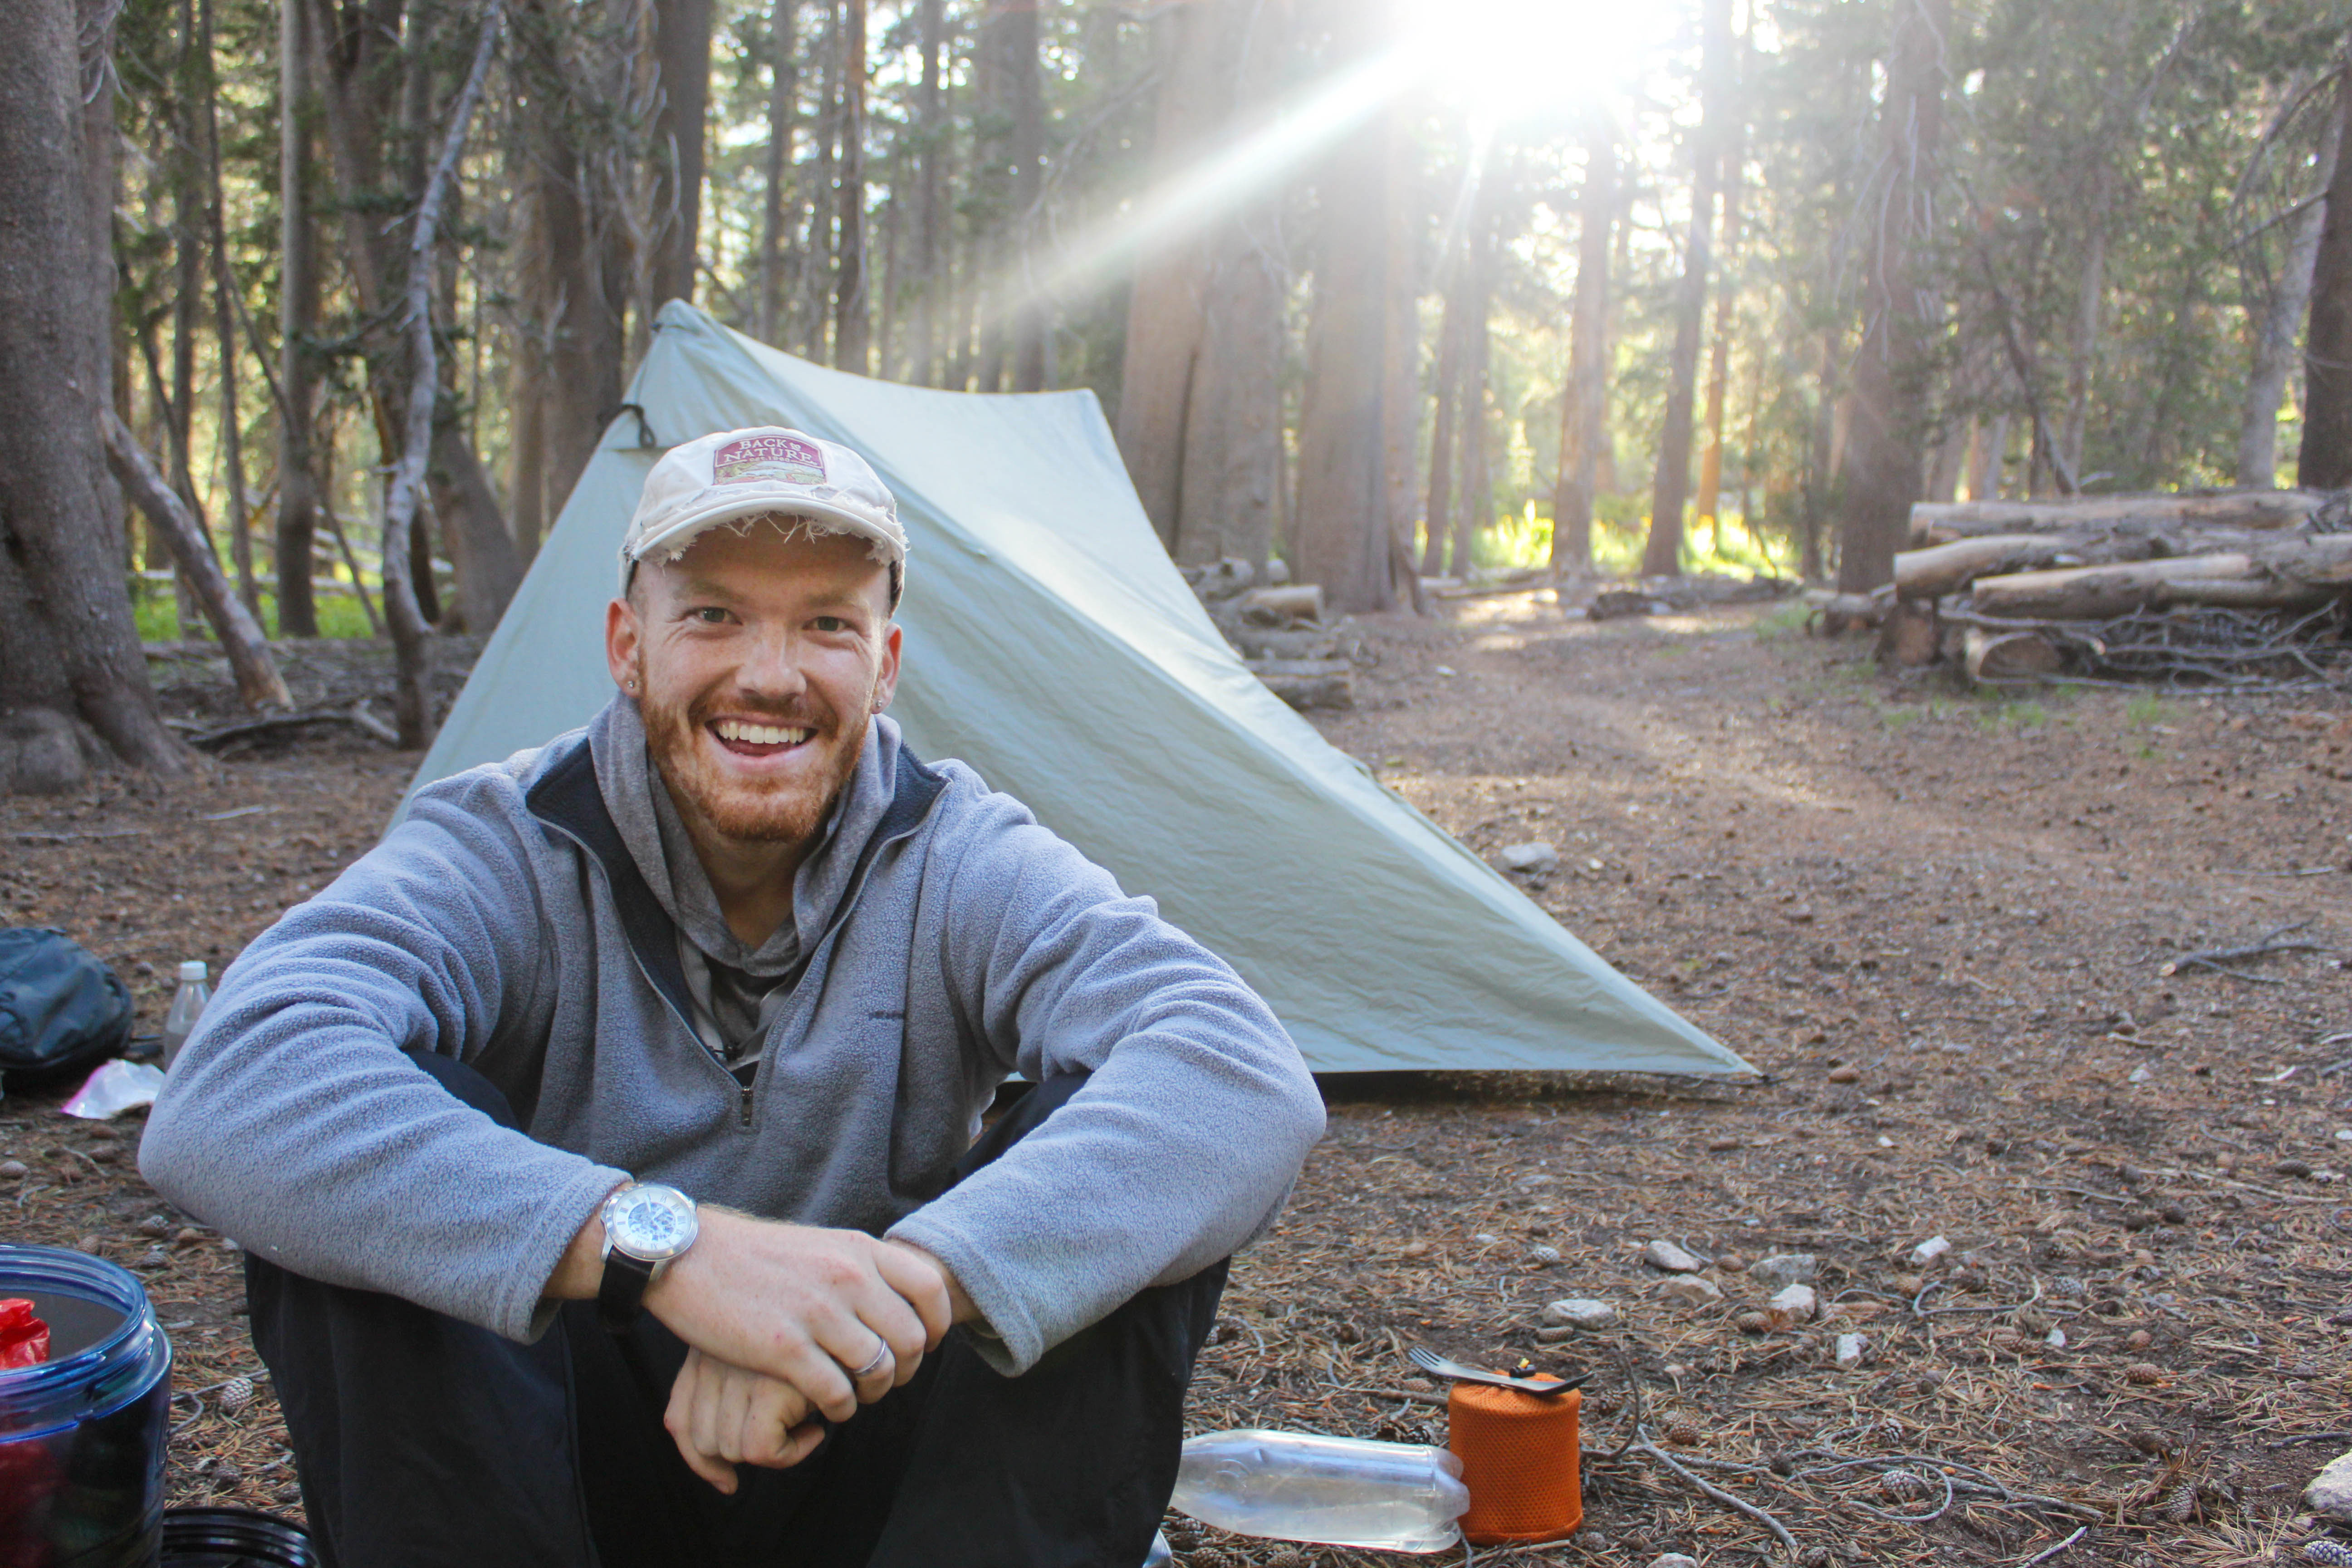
column 423, row 1442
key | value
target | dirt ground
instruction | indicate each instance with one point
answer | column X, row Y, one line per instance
column 1951, row 931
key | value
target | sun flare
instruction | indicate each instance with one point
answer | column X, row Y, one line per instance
column 1512, row 57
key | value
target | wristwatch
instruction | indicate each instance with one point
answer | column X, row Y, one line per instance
column 647, row 1226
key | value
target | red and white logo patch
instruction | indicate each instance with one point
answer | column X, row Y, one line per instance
column 756, row 459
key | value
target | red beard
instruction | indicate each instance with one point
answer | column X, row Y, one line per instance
column 787, row 812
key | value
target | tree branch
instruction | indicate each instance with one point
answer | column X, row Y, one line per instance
column 400, row 608
column 258, row 681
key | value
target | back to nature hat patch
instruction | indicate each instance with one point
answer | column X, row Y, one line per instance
column 778, row 454
column 731, row 475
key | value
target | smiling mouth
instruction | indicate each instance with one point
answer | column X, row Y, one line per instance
column 749, row 739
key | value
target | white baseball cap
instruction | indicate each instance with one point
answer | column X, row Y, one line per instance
column 736, row 474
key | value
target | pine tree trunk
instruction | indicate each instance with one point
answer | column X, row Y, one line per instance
column 67, row 641
column 2326, row 461
column 1165, row 319
column 1401, row 371
column 682, row 52
column 1719, row 369
column 816, row 279
column 2275, row 331
column 1024, row 86
column 1476, row 486
column 1661, row 554
column 852, row 306
column 1341, row 540
column 777, row 213
column 930, row 204
column 1889, row 425
column 1585, row 399
column 297, row 324
column 1451, row 328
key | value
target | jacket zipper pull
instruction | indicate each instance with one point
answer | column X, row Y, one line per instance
column 745, row 1104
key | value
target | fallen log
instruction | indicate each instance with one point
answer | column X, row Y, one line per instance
column 1938, row 570
column 1282, row 607
column 1842, row 613
column 1908, row 636
column 2257, row 509
column 1307, row 683
column 2104, row 593
column 1991, row 656
column 258, row 684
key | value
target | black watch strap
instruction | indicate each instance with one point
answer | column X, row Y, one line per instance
column 621, row 1294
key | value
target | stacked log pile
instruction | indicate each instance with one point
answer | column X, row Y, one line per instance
column 2247, row 590
column 1279, row 631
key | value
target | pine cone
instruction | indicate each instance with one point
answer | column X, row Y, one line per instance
column 2143, row 1374
column 1210, row 1557
column 2334, row 1554
column 1287, row 1559
column 1902, row 1485
column 235, row 1394
column 1754, row 1322
column 2181, row 1503
column 1682, row 1434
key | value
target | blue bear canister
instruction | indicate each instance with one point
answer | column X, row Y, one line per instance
column 82, row 1435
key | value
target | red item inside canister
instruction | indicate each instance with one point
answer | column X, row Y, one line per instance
column 24, row 1338
column 1519, row 1456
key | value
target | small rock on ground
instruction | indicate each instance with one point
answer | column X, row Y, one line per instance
column 1673, row 1560
column 1669, row 1259
column 1783, row 1269
column 1796, row 1304
column 1530, row 857
column 1692, row 1290
column 1582, row 1312
column 2330, row 1491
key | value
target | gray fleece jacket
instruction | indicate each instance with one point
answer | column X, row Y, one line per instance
column 941, row 940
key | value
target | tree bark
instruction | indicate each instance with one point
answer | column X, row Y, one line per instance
column 215, row 240
column 67, row 640
column 931, row 200
column 412, row 702
column 1401, row 368
column 2275, row 325
column 1342, row 542
column 258, row 681
column 852, row 306
column 1233, row 435
column 1727, row 300
column 1025, row 89
column 1451, row 328
column 1885, row 447
column 1477, row 507
column 777, row 215
column 1661, row 553
column 1165, row 314
column 297, row 324
column 682, row 56
column 1584, row 399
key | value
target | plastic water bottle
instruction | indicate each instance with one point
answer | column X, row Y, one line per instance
column 1335, row 1491
column 187, row 1006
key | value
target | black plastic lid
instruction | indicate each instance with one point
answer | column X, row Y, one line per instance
column 232, row 1538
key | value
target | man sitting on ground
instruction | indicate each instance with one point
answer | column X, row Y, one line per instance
column 634, row 1083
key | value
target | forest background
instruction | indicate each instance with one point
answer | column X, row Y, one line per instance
column 1385, row 288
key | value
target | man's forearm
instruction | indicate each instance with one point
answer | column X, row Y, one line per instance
column 582, row 1268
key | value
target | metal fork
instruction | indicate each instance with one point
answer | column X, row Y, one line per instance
column 1430, row 1362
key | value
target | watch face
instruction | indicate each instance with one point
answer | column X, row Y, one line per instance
column 651, row 1222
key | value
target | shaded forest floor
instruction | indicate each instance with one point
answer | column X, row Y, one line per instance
column 1938, row 923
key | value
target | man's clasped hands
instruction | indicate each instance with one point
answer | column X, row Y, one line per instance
column 783, row 1323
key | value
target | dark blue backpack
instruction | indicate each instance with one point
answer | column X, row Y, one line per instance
column 61, row 1011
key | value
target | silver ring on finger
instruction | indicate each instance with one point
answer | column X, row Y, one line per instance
column 881, row 1358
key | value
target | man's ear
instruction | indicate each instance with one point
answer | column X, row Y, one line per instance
column 621, row 643
column 885, row 683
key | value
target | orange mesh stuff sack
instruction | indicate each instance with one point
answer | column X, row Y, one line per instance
column 1519, row 1454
